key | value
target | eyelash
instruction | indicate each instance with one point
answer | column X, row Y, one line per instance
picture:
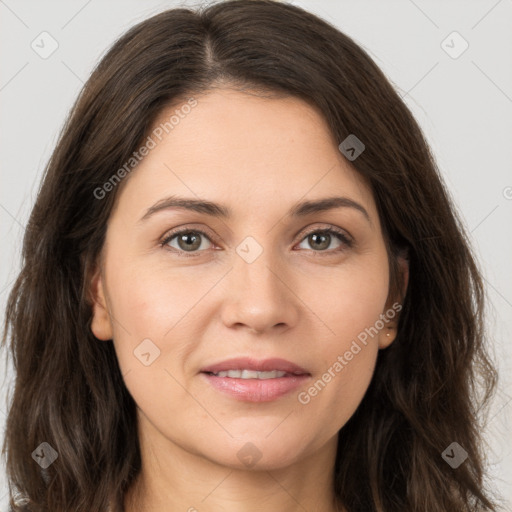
column 330, row 231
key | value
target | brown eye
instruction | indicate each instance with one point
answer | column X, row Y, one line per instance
column 320, row 240
column 190, row 242
column 187, row 240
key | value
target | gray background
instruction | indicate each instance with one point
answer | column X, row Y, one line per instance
column 463, row 104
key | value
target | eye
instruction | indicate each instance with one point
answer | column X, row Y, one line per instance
column 192, row 241
column 187, row 240
column 320, row 239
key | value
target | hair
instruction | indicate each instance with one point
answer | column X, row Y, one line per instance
column 430, row 387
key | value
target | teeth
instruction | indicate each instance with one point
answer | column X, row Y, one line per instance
column 249, row 374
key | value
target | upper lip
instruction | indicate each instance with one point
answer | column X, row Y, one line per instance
column 249, row 363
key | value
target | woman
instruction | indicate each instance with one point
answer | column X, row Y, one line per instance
column 244, row 285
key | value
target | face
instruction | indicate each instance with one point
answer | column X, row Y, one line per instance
column 180, row 289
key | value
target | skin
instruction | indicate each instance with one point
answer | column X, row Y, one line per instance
column 306, row 304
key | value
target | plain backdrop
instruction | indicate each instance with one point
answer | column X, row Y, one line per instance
column 462, row 100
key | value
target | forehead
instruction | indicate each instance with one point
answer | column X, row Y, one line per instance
column 241, row 148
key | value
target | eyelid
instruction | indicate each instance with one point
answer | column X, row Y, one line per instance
column 328, row 227
column 188, row 227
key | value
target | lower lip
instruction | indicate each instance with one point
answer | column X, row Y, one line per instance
column 256, row 390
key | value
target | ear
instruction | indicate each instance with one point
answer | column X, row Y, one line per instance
column 101, row 326
column 392, row 311
column 403, row 264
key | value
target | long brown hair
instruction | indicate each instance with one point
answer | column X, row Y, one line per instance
column 430, row 387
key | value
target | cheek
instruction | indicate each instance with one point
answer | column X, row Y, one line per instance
column 350, row 309
column 352, row 302
column 158, row 322
column 148, row 343
column 144, row 309
column 354, row 377
column 148, row 297
column 337, row 390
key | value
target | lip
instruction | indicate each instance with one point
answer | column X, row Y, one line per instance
column 256, row 390
column 249, row 363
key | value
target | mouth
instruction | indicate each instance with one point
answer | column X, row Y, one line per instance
column 250, row 364
column 251, row 374
column 249, row 380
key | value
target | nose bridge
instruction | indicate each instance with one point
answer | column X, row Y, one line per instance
column 259, row 297
column 255, row 269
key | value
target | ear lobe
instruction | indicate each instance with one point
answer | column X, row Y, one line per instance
column 101, row 326
column 387, row 335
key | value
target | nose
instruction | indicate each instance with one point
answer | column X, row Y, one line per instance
column 258, row 296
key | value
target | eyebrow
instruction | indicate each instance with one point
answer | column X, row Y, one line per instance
column 301, row 209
